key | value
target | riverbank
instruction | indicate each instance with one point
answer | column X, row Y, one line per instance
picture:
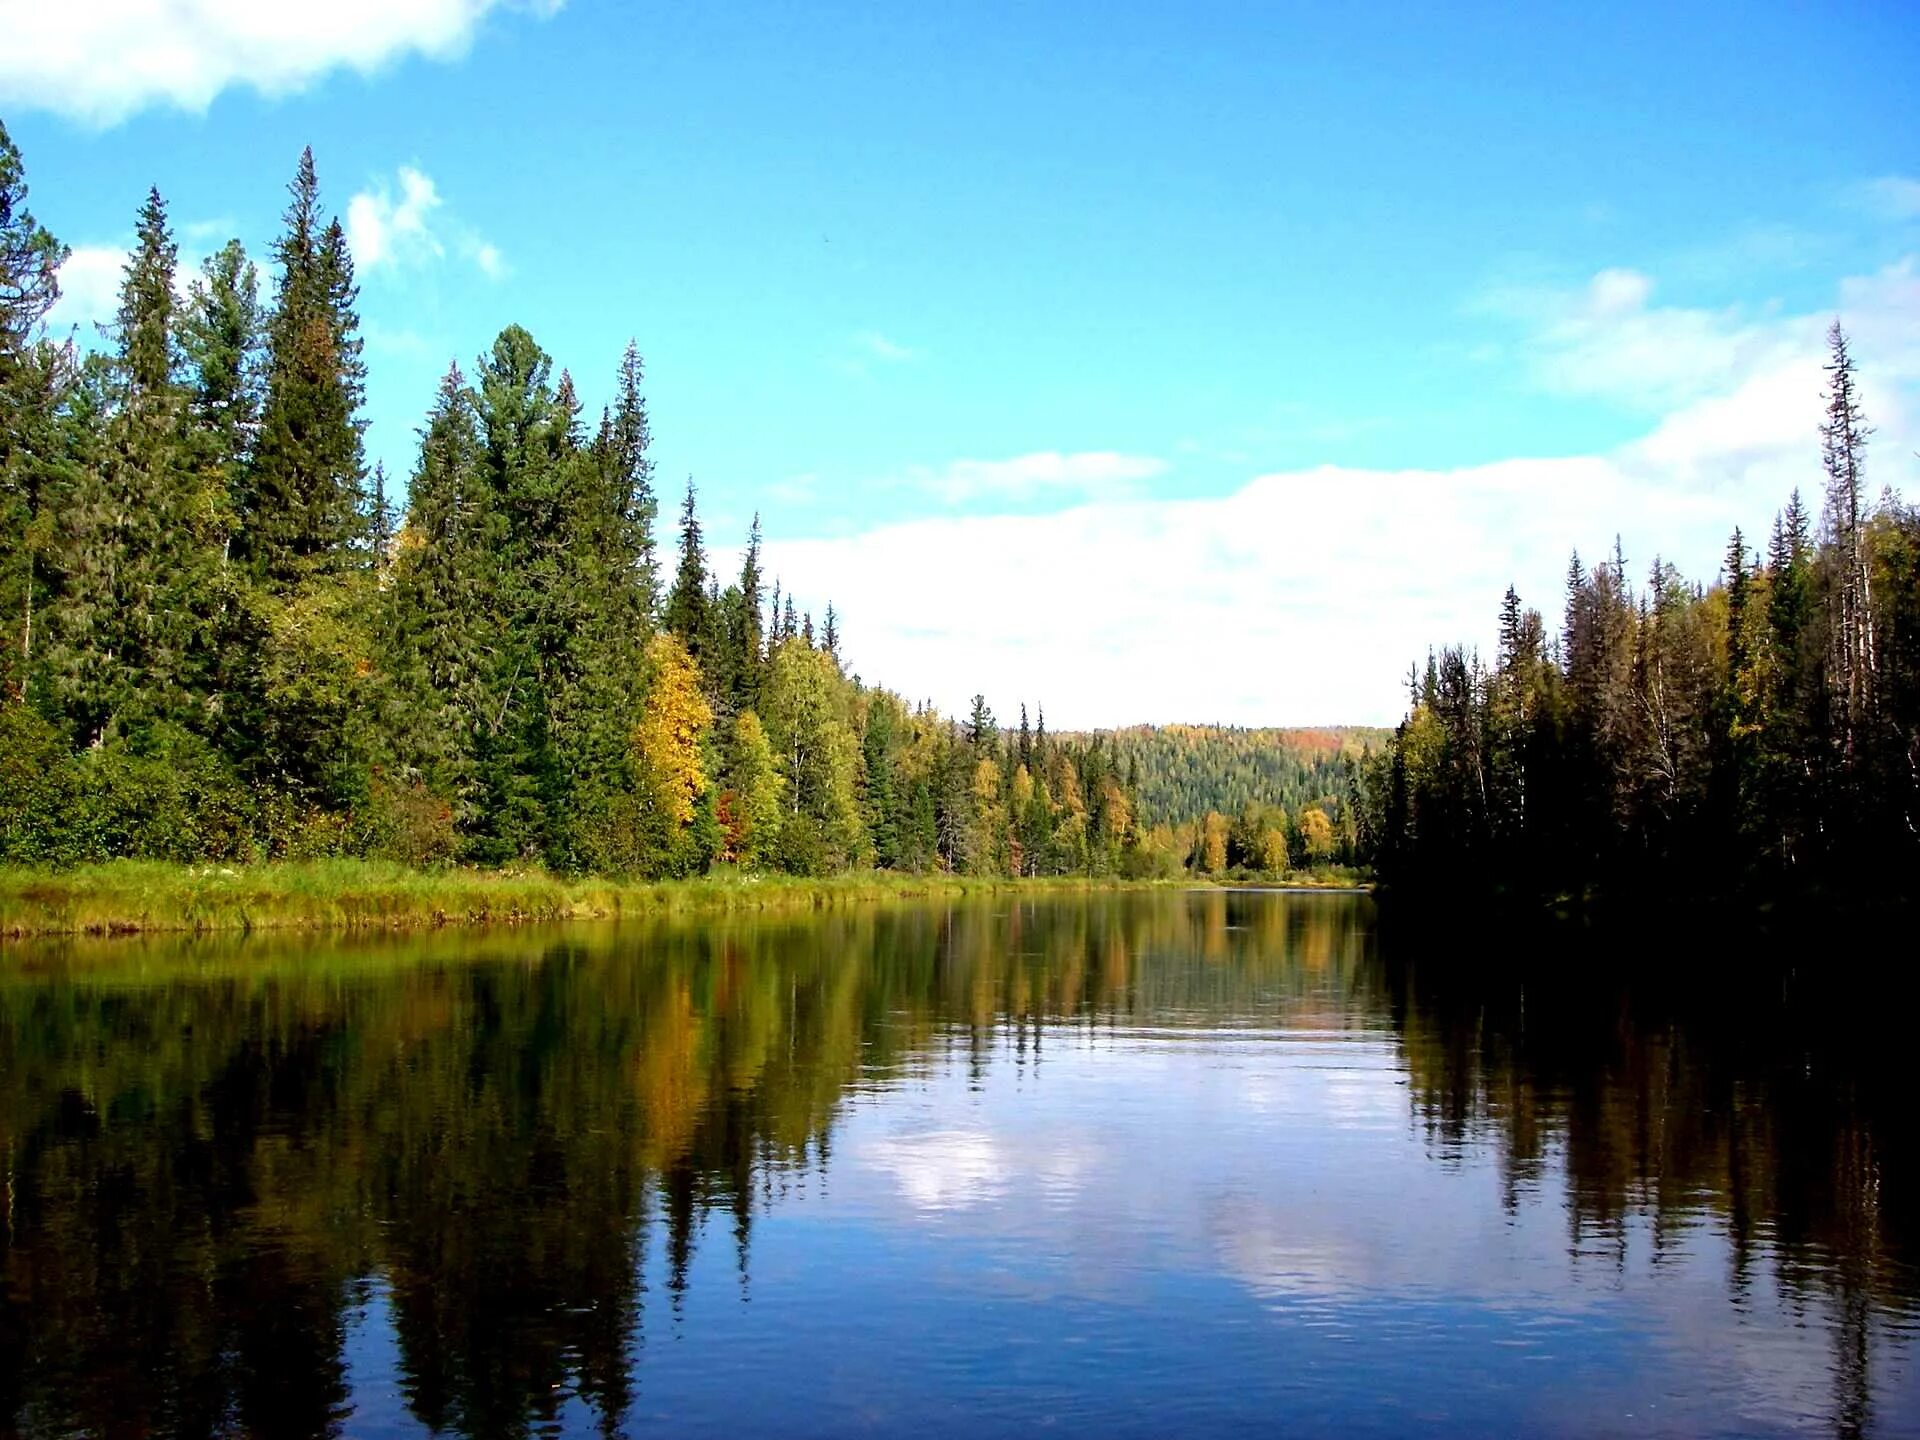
column 130, row 897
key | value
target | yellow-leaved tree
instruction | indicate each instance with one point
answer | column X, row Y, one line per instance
column 1316, row 835
column 668, row 740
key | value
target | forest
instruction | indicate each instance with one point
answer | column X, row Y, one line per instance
column 226, row 640
column 1758, row 736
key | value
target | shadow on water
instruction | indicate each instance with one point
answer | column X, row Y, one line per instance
column 220, row 1156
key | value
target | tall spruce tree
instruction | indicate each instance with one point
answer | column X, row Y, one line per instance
column 301, row 502
column 623, row 446
column 442, row 618
column 32, row 381
column 1851, row 659
column 687, row 607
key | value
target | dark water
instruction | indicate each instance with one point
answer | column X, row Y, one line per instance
column 1206, row 1164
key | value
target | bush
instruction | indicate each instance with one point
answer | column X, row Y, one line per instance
column 407, row 822
column 167, row 796
column 42, row 786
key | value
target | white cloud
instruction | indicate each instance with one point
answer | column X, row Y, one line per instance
column 487, row 256
column 102, row 61
column 1303, row 596
column 384, row 231
column 1605, row 339
column 401, row 226
column 89, row 290
column 1090, row 472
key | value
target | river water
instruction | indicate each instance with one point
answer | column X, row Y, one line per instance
column 1135, row 1164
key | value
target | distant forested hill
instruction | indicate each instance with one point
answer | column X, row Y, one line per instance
column 1187, row 770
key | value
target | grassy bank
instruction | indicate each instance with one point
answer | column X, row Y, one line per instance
column 135, row 897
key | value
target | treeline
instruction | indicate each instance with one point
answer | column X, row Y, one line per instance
column 1188, row 770
column 1761, row 732
column 223, row 639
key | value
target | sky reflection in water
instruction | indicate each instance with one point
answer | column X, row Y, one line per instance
column 1119, row 1165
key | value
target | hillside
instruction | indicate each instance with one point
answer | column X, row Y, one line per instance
column 1187, row 770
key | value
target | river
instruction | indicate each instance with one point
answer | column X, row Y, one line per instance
column 1132, row 1164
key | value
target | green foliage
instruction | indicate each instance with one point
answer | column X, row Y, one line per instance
column 219, row 645
column 1183, row 771
column 1757, row 736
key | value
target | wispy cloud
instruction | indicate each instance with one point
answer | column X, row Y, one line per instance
column 102, row 61
column 403, row 226
column 1606, row 339
column 1892, row 197
column 878, row 347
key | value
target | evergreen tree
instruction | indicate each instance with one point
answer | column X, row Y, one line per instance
column 32, row 384
column 687, row 608
column 745, row 631
column 625, row 440
column 301, row 502
column 220, row 338
column 1851, row 661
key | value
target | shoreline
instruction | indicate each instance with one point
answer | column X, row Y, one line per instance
column 127, row 897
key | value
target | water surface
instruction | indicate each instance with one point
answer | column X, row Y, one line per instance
column 1127, row 1165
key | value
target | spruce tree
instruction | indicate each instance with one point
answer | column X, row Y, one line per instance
column 444, row 613
column 301, row 504
column 626, row 438
column 220, row 339
column 130, row 635
column 1851, row 657
column 32, row 381
column 686, row 613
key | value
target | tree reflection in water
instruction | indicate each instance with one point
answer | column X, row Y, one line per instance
column 216, row 1150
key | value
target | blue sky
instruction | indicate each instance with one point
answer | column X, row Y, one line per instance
column 1248, row 312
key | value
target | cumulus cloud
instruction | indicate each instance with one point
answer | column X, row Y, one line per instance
column 1304, row 595
column 401, row 226
column 1044, row 472
column 102, row 61
column 89, row 290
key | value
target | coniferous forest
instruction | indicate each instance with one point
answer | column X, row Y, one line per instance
column 227, row 639
column 1756, row 736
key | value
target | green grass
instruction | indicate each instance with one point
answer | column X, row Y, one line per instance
column 132, row 896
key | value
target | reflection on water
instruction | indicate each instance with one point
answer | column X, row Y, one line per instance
column 1117, row 1165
